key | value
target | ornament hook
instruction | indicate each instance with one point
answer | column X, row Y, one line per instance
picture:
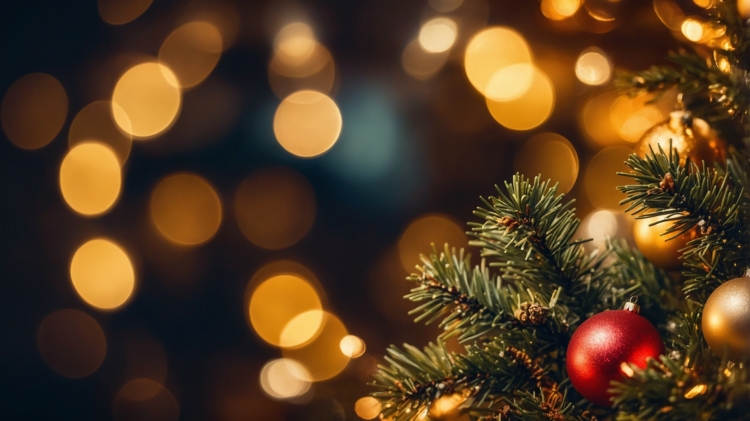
column 631, row 305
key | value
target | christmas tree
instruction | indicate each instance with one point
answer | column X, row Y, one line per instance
column 552, row 331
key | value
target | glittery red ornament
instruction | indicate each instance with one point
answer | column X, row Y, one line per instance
column 602, row 343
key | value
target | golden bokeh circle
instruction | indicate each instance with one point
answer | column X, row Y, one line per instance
column 186, row 209
column 528, row 110
column 285, row 379
column 425, row 230
column 34, row 110
column 352, row 346
column 322, row 356
column 601, row 179
column 71, row 343
column 421, row 64
column 490, row 51
column 307, row 123
column 148, row 99
column 438, row 35
column 275, row 207
column 275, row 302
column 550, row 155
column 118, row 12
column 102, row 274
column 367, row 408
column 191, row 52
column 90, row 178
column 95, row 123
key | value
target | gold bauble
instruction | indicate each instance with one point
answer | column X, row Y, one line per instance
column 663, row 254
column 726, row 319
column 690, row 136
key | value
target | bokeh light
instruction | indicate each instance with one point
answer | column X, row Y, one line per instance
column 295, row 43
column 489, row 52
column 431, row 228
column 420, row 63
column 275, row 207
column 317, row 73
column 186, row 209
column 669, row 13
column 102, row 274
column 307, row 123
column 90, row 178
column 530, row 109
column 602, row 180
column 95, row 123
column 595, row 121
column 438, row 35
column 280, row 299
column 593, row 67
column 71, row 343
column 632, row 117
column 191, row 52
column 117, row 12
column 145, row 400
column 550, row 155
column 148, row 99
column 447, row 407
column 322, row 356
column 566, row 8
column 302, row 66
column 600, row 226
column 352, row 346
column 692, row 28
column 285, row 379
column 367, row 408
column 34, row 110
column 302, row 329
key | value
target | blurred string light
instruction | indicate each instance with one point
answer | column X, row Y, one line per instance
column 490, row 52
column 145, row 399
column 602, row 179
column 530, row 109
column 307, row 123
column 186, row 209
column 300, row 62
column 275, row 207
column 71, row 343
column 550, row 155
column 420, row 63
column 593, row 67
column 438, row 35
column 600, row 226
column 191, row 52
column 146, row 100
column 692, row 28
column 285, row 379
column 90, row 178
column 95, row 123
column 33, row 110
column 117, row 12
column 102, row 274
column 352, row 346
column 322, row 356
column 367, row 408
column 445, row 6
column 438, row 229
column 280, row 299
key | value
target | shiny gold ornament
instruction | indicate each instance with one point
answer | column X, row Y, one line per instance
column 690, row 136
column 663, row 254
column 726, row 319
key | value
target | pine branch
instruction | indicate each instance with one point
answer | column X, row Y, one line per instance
column 692, row 198
column 528, row 234
column 472, row 303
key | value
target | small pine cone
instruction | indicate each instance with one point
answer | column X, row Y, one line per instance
column 531, row 314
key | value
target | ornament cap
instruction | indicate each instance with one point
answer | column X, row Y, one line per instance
column 631, row 305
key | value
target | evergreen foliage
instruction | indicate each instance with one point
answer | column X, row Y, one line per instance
column 515, row 312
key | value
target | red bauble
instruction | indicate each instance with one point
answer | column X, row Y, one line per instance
column 601, row 344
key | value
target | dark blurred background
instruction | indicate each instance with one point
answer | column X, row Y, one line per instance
column 417, row 148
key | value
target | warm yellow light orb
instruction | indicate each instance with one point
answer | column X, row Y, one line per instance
column 530, row 109
column 352, row 346
column 94, row 123
column 692, row 29
column 33, row 110
column 102, row 274
column 550, row 155
column 490, row 51
column 118, row 12
column 431, row 228
column 191, row 52
column 186, row 209
column 593, row 68
column 367, row 408
column 438, row 35
column 421, row 64
column 322, row 356
column 90, row 178
column 276, row 302
column 148, row 99
column 285, row 379
column 307, row 123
